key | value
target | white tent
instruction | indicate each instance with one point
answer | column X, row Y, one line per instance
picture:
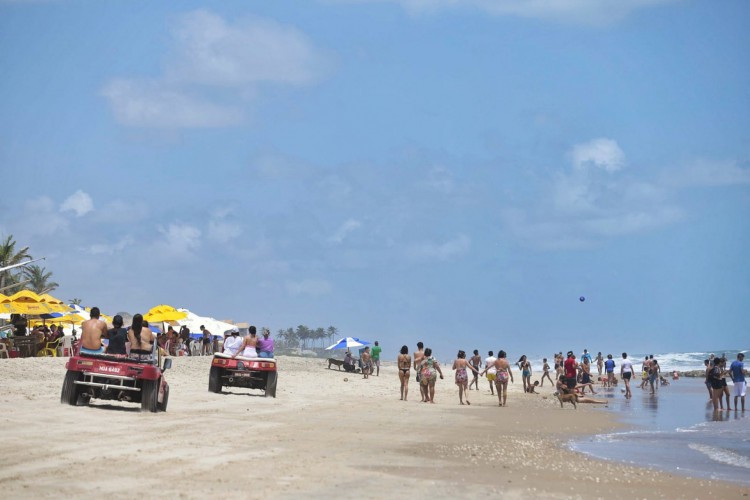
column 194, row 322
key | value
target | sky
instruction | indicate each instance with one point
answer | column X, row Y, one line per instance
column 458, row 172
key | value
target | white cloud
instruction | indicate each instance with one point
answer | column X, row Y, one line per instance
column 141, row 103
column 178, row 241
column 347, row 227
column 214, row 72
column 441, row 251
column 592, row 12
column 110, row 248
column 590, row 202
column 601, row 153
column 313, row 288
column 211, row 51
column 79, row 202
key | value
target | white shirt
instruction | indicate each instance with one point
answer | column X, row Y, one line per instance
column 232, row 345
column 490, row 363
column 626, row 366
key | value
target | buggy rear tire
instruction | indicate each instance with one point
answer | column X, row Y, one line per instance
column 71, row 390
column 149, row 396
column 271, row 384
column 214, row 380
column 165, row 400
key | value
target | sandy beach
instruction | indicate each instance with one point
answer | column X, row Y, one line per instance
column 326, row 434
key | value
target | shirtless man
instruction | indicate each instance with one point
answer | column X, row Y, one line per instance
column 92, row 331
column 418, row 357
column 476, row 363
column 366, row 359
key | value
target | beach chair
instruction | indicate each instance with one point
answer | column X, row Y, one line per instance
column 49, row 349
column 66, row 347
column 4, row 351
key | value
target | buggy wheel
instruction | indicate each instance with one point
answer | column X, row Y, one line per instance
column 149, row 395
column 214, row 380
column 71, row 390
column 165, row 400
column 271, row 384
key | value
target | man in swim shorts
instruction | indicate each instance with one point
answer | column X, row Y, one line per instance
column 491, row 371
column 738, row 372
column 92, row 331
column 571, row 370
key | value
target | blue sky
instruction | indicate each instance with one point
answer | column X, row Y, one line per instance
column 452, row 171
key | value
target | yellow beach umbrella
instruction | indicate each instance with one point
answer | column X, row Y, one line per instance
column 164, row 314
column 27, row 302
column 56, row 305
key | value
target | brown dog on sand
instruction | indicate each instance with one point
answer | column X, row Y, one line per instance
column 567, row 398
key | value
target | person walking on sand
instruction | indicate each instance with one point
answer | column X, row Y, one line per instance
column 545, row 370
column 599, row 363
column 366, row 359
column 738, row 372
column 626, row 373
column 206, row 340
column 476, row 363
column 404, row 367
column 418, row 357
column 462, row 377
column 376, row 358
column 645, row 369
column 490, row 370
column 430, row 368
column 92, row 331
column 586, row 376
column 609, row 367
column 503, row 373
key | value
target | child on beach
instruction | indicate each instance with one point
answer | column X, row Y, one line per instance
column 462, row 378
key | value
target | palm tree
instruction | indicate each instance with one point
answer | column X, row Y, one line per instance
column 76, row 301
column 332, row 331
column 39, row 279
column 8, row 257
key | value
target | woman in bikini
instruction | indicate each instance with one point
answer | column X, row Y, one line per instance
column 462, row 377
column 404, row 366
column 249, row 343
column 503, row 374
column 141, row 339
column 599, row 363
column 526, row 373
column 429, row 368
column 545, row 370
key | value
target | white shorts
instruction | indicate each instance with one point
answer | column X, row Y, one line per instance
column 740, row 388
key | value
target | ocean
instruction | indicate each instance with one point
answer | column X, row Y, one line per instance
column 676, row 430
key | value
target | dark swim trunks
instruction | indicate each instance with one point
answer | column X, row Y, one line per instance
column 626, row 375
column 571, row 382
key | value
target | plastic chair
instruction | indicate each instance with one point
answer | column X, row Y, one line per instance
column 50, row 348
column 4, row 350
column 66, row 347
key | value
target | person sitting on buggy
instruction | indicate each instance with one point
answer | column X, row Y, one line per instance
column 141, row 340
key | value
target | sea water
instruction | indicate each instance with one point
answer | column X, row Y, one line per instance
column 675, row 430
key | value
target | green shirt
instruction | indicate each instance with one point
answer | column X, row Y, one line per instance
column 376, row 352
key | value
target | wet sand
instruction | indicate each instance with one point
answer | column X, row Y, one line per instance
column 326, row 434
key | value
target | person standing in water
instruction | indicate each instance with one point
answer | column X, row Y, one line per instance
column 626, row 373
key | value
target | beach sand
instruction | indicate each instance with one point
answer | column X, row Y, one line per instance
column 322, row 436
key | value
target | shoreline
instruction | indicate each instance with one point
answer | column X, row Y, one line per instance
column 321, row 436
